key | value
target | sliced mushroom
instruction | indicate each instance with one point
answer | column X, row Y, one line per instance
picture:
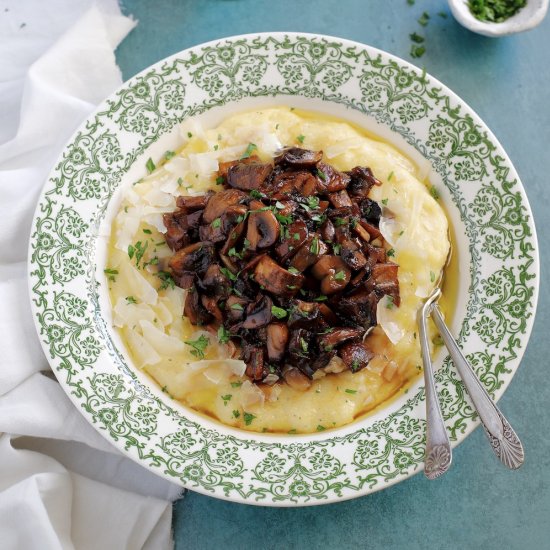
column 340, row 199
column 277, row 339
column 373, row 231
column 330, row 180
column 189, row 204
column 296, row 236
column 308, row 253
column 370, row 211
column 210, row 304
column 258, row 314
column 327, row 231
column 215, row 282
column 322, row 360
column 253, row 356
column 339, row 336
column 263, row 227
column 248, row 176
column 285, row 184
column 362, row 180
column 194, row 310
column 276, row 279
column 235, row 307
column 305, row 315
column 358, row 308
column 181, row 228
column 224, row 167
column 195, row 258
column 220, row 202
column 333, row 274
column 297, row 157
column 295, row 379
column 356, row 355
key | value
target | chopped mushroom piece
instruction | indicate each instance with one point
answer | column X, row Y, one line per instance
column 289, row 260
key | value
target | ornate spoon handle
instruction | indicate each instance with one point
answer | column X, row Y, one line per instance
column 504, row 441
column 438, row 447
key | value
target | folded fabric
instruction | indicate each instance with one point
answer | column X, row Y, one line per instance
column 61, row 484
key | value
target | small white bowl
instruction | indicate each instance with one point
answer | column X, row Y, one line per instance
column 526, row 18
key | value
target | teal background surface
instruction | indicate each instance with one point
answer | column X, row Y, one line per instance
column 477, row 504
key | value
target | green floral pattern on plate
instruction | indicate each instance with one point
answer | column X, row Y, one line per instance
column 480, row 182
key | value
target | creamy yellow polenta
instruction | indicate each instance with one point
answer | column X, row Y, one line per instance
column 149, row 317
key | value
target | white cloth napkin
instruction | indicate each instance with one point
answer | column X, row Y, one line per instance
column 62, row 485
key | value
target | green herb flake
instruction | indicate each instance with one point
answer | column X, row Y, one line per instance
column 432, row 276
column 226, row 399
column 296, row 236
column 434, row 192
column 236, row 413
column 320, row 428
column 495, row 11
column 216, row 223
column 340, row 276
column 437, row 341
column 303, row 344
column 236, row 384
column 355, row 366
column 390, row 252
column 442, row 14
column 223, row 335
column 167, row 280
column 231, row 276
column 424, row 18
column 249, row 150
column 293, row 431
column 189, row 135
column 238, row 307
column 390, row 175
column 321, row 174
column 150, row 165
column 313, row 202
column 198, row 345
column 248, row 418
column 410, row 2
column 384, row 202
column 131, row 300
column 337, row 248
column 417, row 51
column 293, row 270
column 416, row 38
column 147, row 231
column 169, row 155
column 255, row 194
column 137, row 251
column 279, row 312
column 301, row 138
column 111, row 274
column 314, row 248
column 352, row 392
column 390, row 304
column 219, row 180
column 321, row 298
column 216, row 147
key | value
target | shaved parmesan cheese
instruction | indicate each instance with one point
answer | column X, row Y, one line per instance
column 177, row 166
column 144, row 354
column 138, row 286
column 251, row 395
column 387, row 319
column 128, row 314
column 270, row 144
column 203, row 164
column 341, row 147
column 391, row 230
column 161, row 342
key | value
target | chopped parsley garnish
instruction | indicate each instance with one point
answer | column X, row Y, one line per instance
column 255, row 194
column 355, row 366
column 321, row 298
column 150, row 165
column 314, row 248
column 216, row 147
column 442, row 14
column 167, row 280
column 337, row 248
column 279, row 312
column 301, row 138
column 249, row 150
column 321, row 174
column 410, row 2
column 248, row 418
column 226, row 399
column 437, row 340
column 384, row 202
column 352, row 392
column 131, row 300
column 495, row 11
column 390, row 303
column 223, row 335
column 296, row 236
column 147, row 231
column 169, row 155
column 434, row 192
column 390, row 175
column 432, row 276
column 236, row 413
column 111, row 273
column 340, row 221
column 293, row 270
column 390, row 252
column 417, row 51
column 279, row 205
column 137, row 251
column 339, row 276
column 231, row 276
column 237, row 306
column 216, row 223
column 303, row 344
column 320, row 428
column 219, row 180
column 424, row 18
column 283, row 219
column 416, row 38
column 189, row 135
column 236, row 384
column 198, row 345
column 313, row 202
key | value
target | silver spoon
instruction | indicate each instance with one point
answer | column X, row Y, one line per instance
column 504, row 441
column 438, row 447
